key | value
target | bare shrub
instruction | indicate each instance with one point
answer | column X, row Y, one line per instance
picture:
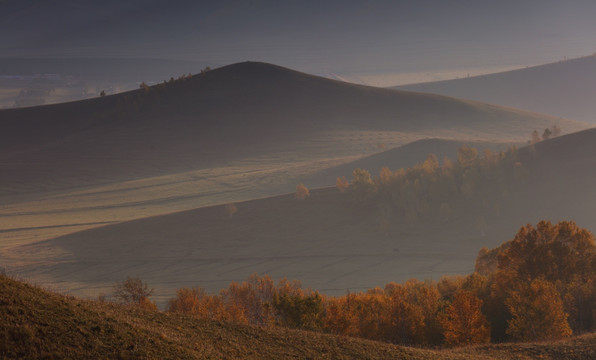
column 133, row 291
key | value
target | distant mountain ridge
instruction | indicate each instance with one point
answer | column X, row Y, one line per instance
column 564, row 88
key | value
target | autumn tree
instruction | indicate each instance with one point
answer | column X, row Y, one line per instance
column 369, row 315
column 301, row 192
column 251, row 299
column 385, row 175
column 431, row 164
column 466, row 156
column 561, row 254
column 362, row 185
column 537, row 313
column 342, row 183
column 338, row 316
column 361, row 180
column 552, row 252
column 300, row 311
column 463, row 321
column 196, row 302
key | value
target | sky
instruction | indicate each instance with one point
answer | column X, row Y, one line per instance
column 347, row 38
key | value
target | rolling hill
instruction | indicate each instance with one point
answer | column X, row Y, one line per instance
column 563, row 88
column 329, row 241
column 240, row 132
column 40, row 324
column 231, row 113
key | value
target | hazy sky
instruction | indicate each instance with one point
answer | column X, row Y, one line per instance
column 343, row 37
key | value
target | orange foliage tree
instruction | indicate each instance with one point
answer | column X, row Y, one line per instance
column 197, row 302
column 252, row 298
column 342, row 183
column 537, row 313
column 463, row 320
column 301, row 192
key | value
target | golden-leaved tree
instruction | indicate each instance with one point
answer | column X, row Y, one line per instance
column 463, row 320
column 302, row 192
column 537, row 313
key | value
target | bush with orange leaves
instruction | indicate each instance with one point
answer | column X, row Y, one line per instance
column 301, row 192
column 342, row 184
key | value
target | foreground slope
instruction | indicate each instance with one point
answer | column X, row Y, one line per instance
column 40, row 324
column 563, row 89
column 330, row 241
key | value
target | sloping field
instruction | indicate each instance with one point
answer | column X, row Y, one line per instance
column 563, row 88
column 329, row 241
column 240, row 132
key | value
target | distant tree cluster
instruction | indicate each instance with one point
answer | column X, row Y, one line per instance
column 433, row 189
column 543, row 287
column 136, row 102
column 548, row 133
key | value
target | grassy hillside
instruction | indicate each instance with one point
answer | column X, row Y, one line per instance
column 563, row 88
column 330, row 241
column 39, row 324
column 230, row 113
column 240, row 132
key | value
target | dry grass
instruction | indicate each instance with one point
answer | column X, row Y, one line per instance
column 37, row 324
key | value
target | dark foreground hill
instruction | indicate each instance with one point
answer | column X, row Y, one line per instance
column 562, row 89
column 234, row 112
column 331, row 241
column 37, row 324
